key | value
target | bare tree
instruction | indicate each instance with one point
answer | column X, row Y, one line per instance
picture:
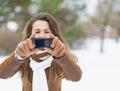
column 115, row 18
column 102, row 18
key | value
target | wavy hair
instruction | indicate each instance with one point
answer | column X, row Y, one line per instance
column 54, row 27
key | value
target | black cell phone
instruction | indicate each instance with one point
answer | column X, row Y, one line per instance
column 41, row 43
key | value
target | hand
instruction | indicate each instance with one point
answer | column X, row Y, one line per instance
column 26, row 48
column 57, row 47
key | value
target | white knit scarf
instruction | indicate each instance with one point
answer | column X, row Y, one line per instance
column 39, row 77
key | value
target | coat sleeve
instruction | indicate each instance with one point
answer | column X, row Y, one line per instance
column 9, row 66
column 71, row 70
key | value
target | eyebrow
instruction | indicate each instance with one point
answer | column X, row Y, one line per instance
column 36, row 29
column 39, row 29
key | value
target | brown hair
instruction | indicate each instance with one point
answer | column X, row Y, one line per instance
column 54, row 27
column 53, row 24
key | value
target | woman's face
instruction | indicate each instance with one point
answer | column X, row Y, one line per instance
column 40, row 29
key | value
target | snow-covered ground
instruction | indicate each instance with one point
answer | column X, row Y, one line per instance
column 100, row 70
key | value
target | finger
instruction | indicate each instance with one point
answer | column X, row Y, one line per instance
column 23, row 46
column 34, row 51
column 30, row 44
column 52, row 35
column 56, row 50
column 26, row 47
column 32, row 36
column 57, row 46
column 49, row 50
column 61, row 52
column 23, row 49
column 54, row 42
column 20, row 52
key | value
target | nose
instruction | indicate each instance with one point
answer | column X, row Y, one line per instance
column 42, row 35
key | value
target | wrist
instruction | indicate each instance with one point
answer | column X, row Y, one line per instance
column 18, row 57
column 58, row 57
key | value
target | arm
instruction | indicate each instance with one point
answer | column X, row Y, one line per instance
column 71, row 70
column 9, row 67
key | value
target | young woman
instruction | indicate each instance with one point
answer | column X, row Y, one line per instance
column 42, row 70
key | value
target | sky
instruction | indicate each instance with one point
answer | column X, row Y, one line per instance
column 91, row 6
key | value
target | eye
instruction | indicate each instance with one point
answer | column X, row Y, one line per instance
column 47, row 31
column 37, row 32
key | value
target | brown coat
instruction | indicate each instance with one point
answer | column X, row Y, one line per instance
column 70, row 70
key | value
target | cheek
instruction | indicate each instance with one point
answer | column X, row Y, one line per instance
column 37, row 36
column 42, row 35
column 47, row 36
column 33, row 35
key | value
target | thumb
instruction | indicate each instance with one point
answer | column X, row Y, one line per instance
column 49, row 50
column 32, row 36
column 52, row 35
column 31, row 41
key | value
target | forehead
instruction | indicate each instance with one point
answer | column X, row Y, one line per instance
column 40, row 23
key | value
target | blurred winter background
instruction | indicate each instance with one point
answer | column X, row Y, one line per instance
column 90, row 27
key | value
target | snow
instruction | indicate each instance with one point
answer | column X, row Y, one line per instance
column 100, row 70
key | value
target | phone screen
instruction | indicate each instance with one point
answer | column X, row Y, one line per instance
column 41, row 43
